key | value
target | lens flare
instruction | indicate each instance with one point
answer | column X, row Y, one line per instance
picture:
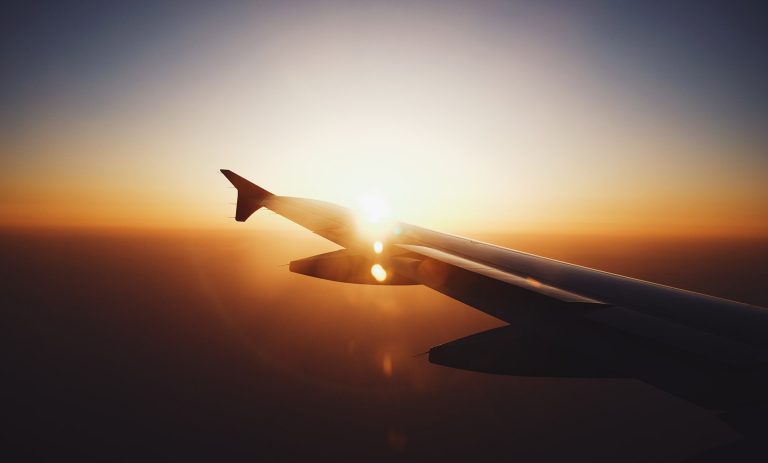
column 378, row 273
column 378, row 246
column 386, row 365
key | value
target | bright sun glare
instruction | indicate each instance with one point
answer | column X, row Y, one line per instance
column 374, row 207
column 374, row 220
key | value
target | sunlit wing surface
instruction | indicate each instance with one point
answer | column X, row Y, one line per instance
column 564, row 320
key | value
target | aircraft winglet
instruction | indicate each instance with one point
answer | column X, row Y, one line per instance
column 249, row 195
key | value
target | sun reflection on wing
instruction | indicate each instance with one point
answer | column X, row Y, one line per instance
column 378, row 272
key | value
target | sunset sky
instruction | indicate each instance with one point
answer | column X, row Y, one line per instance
column 141, row 321
column 467, row 116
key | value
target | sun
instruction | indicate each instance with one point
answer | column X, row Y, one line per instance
column 374, row 207
column 373, row 220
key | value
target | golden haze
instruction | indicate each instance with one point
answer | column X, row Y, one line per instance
column 462, row 126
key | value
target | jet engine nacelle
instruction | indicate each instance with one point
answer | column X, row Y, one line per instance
column 349, row 268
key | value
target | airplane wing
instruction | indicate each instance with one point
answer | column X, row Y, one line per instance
column 564, row 320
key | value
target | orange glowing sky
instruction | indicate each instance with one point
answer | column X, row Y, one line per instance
column 464, row 124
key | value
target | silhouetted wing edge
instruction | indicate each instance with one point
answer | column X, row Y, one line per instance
column 529, row 283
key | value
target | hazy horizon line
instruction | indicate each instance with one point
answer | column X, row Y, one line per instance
column 528, row 232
